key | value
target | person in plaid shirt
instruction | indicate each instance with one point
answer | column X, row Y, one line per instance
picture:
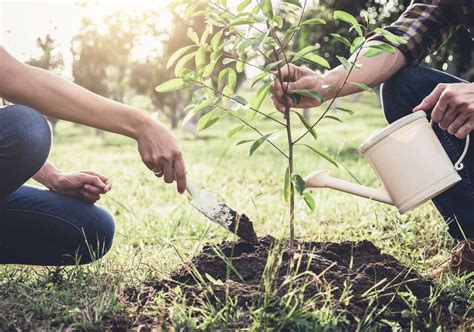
column 408, row 87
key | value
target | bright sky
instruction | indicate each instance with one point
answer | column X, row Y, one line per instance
column 21, row 22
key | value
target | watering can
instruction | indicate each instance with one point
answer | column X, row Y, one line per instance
column 409, row 161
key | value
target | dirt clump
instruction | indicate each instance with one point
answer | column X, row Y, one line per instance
column 359, row 280
column 242, row 226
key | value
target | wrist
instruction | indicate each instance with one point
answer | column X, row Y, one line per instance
column 331, row 83
column 140, row 123
column 49, row 176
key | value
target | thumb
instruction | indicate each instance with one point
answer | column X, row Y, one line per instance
column 430, row 101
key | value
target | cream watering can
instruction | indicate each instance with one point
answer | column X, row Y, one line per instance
column 409, row 161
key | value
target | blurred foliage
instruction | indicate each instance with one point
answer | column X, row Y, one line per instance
column 49, row 59
column 146, row 75
column 102, row 54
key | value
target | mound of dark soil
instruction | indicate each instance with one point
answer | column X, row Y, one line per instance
column 357, row 276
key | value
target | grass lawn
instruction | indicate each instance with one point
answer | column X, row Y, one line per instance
column 157, row 229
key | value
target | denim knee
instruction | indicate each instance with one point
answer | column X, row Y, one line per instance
column 27, row 137
column 399, row 93
column 99, row 235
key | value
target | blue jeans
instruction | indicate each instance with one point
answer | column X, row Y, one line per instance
column 39, row 226
column 400, row 95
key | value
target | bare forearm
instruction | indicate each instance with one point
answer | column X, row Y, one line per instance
column 59, row 98
column 373, row 71
column 47, row 175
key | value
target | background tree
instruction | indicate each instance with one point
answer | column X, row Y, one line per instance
column 50, row 59
column 145, row 76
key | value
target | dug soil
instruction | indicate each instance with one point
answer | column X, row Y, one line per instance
column 353, row 278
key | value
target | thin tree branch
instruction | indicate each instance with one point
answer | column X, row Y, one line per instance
column 239, row 102
column 252, row 127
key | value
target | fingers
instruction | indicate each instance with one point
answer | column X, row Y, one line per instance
column 449, row 115
column 455, row 125
column 440, row 110
column 278, row 103
column 103, row 178
column 93, row 180
column 288, row 74
column 168, row 173
column 88, row 196
column 430, row 101
column 464, row 130
column 92, row 189
column 180, row 173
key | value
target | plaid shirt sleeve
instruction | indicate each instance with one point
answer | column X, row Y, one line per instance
column 425, row 25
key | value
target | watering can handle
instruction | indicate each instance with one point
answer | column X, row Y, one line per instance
column 458, row 165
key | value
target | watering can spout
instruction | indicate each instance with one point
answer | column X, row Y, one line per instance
column 322, row 179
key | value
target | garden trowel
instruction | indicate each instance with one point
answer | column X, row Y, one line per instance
column 220, row 213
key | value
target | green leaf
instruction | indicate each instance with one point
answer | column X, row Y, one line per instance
column 172, row 85
column 258, row 41
column 231, row 80
column 278, row 21
column 303, row 52
column 178, row 54
column 307, row 125
column 208, row 120
column 332, row 117
column 358, row 42
column 178, row 69
column 194, row 37
column 245, row 141
column 322, row 154
column 204, row 104
column 234, row 131
column 215, row 41
column 348, row 18
column 257, row 100
column 394, row 39
column 226, row 61
column 309, row 93
column 258, row 78
column 345, row 63
column 286, row 187
column 379, row 49
column 258, row 143
column 319, row 60
column 294, row 2
column 241, row 100
column 267, row 8
column 241, row 21
column 350, row 112
column 299, row 183
column 240, row 66
column 364, row 87
column 204, row 37
column 243, row 5
column 341, row 39
column 222, row 75
column 314, row 21
column 273, row 65
column 200, row 59
column 309, row 200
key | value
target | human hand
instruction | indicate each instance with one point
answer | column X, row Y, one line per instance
column 453, row 107
column 298, row 78
column 86, row 185
column 161, row 154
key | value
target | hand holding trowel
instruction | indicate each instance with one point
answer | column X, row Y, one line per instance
column 216, row 211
